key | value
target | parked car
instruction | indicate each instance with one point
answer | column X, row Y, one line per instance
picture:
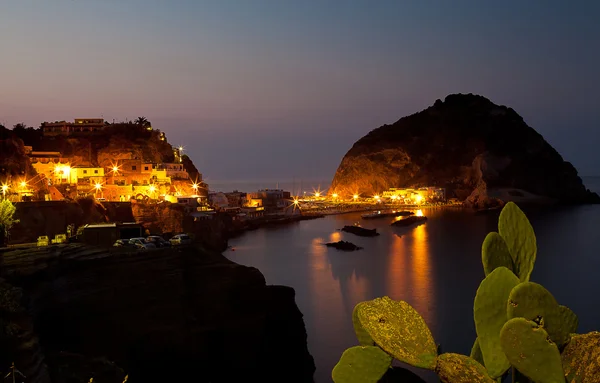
column 141, row 243
column 122, row 243
column 158, row 241
column 180, row 239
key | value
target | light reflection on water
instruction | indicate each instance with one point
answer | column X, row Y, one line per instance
column 435, row 266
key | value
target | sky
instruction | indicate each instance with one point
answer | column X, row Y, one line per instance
column 275, row 90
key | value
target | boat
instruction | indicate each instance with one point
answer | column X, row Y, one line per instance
column 409, row 221
column 343, row 245
column 360, row 231
column 385, row 214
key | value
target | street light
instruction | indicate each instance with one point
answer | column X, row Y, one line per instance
column 334, row 195
column 355, row 197
column 317, row 194
column 23, row 184
column 4, row 189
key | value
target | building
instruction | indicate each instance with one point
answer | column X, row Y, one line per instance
column 78, row 126
column 173, row 170
column 275, row 201
column 106, row 234
column 236, row 199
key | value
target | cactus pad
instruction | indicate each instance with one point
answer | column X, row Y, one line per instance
column 399, row 330
column 581, row 358
column 489, row 312
column 476, row 352
column 533, row 302
column 515, row 229
column 456, row 368
column 530, row 350
column 569, row 319
column 494, row 253
column 361, row 364
column 364, row 339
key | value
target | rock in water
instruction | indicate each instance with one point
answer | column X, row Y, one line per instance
column 474, row 148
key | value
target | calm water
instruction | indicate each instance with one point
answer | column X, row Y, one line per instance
column 436, row 267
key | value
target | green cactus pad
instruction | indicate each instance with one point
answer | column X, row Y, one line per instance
column 532, row 301
column 456, row 368
column 494, row 253
column 515, row 229
column 581, row 358
column 489, row 312
column 530, row 350
column 476, row 352
column 364, row 339
column 399, row 330
column 361, row 364
column 569, row 319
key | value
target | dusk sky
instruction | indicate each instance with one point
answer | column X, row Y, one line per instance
column 269, row 90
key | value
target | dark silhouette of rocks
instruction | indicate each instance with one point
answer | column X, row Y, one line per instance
column 343, row 245
column 161, row 316
column 408, row 221
column 477, row 150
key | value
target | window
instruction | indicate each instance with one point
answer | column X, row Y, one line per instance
column 134, row 167
column 95, row 171
column 85, row 172
column 145, row 168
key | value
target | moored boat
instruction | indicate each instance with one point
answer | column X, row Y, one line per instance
column 385, row 214
column 409, row 221
column 343, row 245
column 360, row 231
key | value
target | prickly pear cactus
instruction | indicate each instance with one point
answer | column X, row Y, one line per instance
column 399, row 330
column 515, row 229
column 476, row 352
column 456, row 368
column 581, row 358
column 530, row 350
column 361, row 364
column 489, row 312
column 569, row 319
column 532, row 301
column 364, row 339
column 494, row 253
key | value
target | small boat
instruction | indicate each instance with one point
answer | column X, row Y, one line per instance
column 360, row 231
column 385, row 214
column 409, row 221
column 343, row 245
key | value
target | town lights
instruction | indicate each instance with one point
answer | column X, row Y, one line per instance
column 317, row 194
column 23, row 184
column 115, row 169
column 376, row 197
column 394, row 197
column 418, row 198
column 4, row 189
column 152, row 189
column 195, row 186
column 98, row 186
column 355, row 197
column 334, row 195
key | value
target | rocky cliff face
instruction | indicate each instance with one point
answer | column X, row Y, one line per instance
column 162, row 316
column 466, row 144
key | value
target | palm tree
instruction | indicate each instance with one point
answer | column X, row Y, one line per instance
column 143, row 122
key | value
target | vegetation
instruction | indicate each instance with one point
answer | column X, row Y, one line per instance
column 520, row 326
column 7, row 213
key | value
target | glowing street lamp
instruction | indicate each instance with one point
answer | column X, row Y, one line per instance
column 334, row 195
column 4, row 190
column 355, row 197
column 376, row 198
column 115, row 169
column 195, row 186
column 23, row 184
column 317, row 194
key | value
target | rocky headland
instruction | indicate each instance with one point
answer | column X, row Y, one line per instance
column 482, row 153
column 71, row 312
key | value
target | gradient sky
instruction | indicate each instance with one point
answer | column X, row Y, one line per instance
column 269, row 90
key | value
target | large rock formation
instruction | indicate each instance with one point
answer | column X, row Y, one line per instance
column 466, row 144
column 162, row 316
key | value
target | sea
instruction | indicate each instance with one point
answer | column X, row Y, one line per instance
column 435, row 267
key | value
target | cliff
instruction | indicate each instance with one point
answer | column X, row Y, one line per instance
column 468, row 145
column 160, row 316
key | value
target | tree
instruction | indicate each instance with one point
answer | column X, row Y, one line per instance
column 143, row 122
column 7, row 213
